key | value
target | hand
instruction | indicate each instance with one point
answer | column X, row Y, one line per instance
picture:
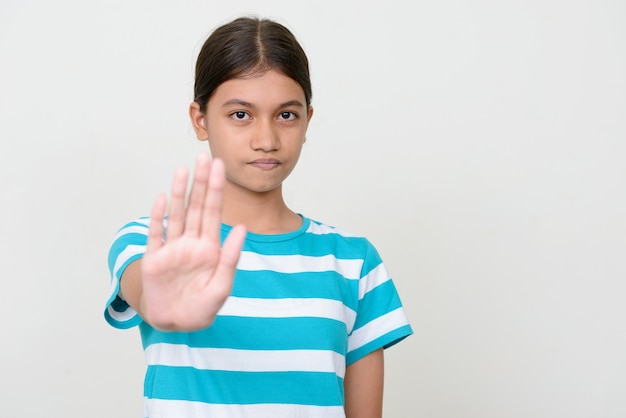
column 187, row 278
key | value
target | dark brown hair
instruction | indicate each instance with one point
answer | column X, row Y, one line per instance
column 248, row 46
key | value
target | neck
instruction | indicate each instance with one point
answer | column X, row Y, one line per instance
column 260, row 213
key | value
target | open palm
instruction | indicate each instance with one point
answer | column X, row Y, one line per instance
column 187, row 275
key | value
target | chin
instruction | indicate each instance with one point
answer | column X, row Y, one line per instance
column 259, row 188
column 262, row 190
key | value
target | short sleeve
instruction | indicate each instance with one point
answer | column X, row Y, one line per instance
column 129, row 244
column 381, row 321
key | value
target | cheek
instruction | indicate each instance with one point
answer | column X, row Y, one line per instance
column 226, row 147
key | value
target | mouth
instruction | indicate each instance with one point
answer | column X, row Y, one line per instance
column 265, row 163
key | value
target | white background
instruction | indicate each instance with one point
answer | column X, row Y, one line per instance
column 479, row 145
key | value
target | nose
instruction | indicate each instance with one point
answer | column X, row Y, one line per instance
column 265, row 137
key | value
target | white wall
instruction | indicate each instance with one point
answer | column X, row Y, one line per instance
column 479, row 145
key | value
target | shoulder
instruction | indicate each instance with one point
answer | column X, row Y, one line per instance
column 321, row 228
column 136, row 226
column 324, row 230
column 359, row 245
column 133, row 235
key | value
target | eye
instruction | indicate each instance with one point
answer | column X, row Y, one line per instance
column 240, row 115
column 287, row 116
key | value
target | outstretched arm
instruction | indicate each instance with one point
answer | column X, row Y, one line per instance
column 363, row 387
column 181, row 282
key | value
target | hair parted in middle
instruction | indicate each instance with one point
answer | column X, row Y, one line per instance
column 245, row 47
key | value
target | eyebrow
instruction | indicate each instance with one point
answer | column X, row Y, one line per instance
column 239, row 102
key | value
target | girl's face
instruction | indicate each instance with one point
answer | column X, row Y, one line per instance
column 257, row 126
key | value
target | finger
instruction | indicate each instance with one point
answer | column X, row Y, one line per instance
column 229, row 257
column 176, row 215
column 212, row 213
column 155, row 230
column 231, row 250
column 193, row 220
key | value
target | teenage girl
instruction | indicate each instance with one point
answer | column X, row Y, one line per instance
column 246, row 308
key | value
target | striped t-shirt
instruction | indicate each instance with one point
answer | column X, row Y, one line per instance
column 304, row 306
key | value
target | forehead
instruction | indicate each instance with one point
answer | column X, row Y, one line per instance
column 268, row 88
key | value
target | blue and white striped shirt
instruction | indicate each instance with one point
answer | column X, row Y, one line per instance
column 304, row 306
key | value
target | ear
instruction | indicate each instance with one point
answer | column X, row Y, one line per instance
column 309, row 115
column 198, row 120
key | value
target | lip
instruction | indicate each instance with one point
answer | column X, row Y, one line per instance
column 265, row 164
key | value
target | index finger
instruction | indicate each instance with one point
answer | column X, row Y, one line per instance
column 155, row 228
